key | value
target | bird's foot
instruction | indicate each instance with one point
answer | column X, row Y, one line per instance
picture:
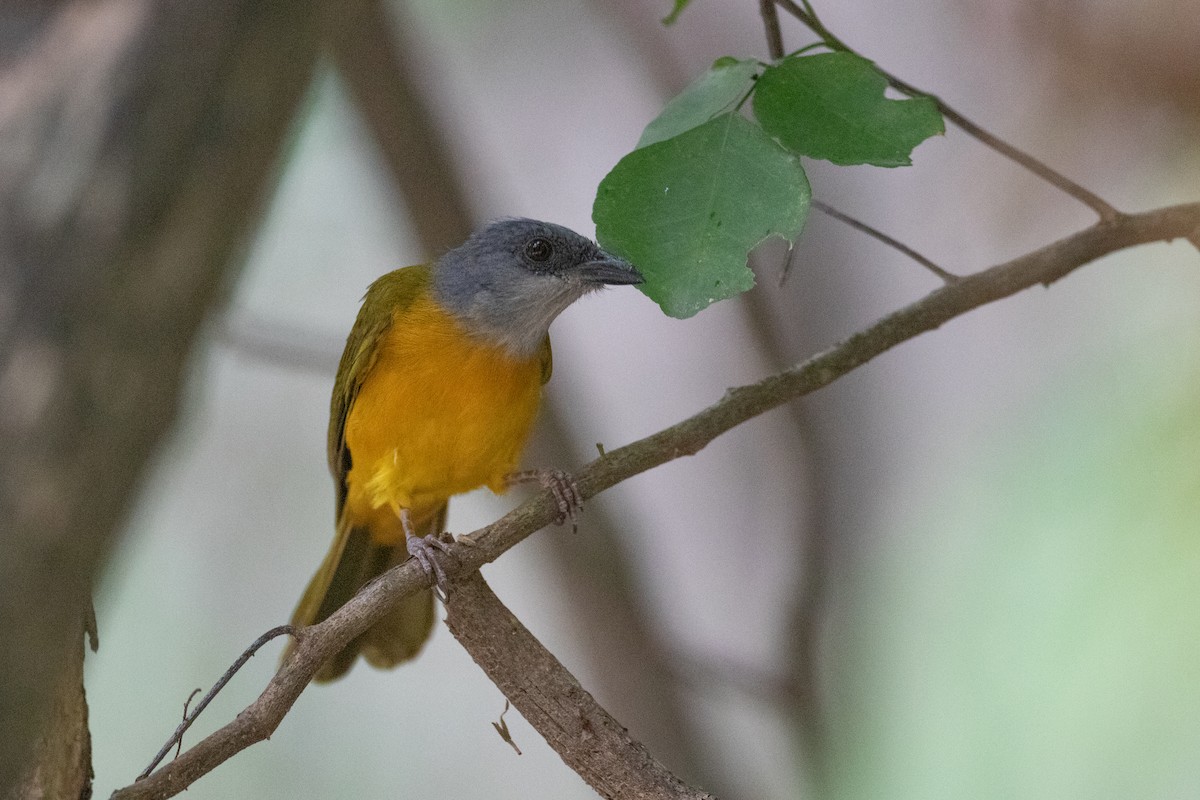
column 428, row 552
column 562, row 486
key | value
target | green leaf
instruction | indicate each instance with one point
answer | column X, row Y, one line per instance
column 680, row 5
column 832, row 106
column 688, row 210
column 714, row 92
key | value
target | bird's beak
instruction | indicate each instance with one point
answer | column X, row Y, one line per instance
column 610, row 270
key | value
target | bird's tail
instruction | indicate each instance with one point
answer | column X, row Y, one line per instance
column 352, row 561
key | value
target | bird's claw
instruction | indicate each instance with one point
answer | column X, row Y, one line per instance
column 566, row 494
column 427, row 551
column 564, row 489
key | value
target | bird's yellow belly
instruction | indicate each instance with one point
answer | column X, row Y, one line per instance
column 438, row 414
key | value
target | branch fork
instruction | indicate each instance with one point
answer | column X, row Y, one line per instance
column 319, row 642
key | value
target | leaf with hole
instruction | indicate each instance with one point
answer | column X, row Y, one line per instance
column 832, row 106
column 688, row 210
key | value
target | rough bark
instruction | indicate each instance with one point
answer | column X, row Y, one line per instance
column 61, row 768
column 589, row 740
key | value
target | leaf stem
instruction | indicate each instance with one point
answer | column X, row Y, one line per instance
column 806, row 48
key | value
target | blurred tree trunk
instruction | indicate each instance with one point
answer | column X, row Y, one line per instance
column 139, row 138
column 62, row 763
column 378, row 66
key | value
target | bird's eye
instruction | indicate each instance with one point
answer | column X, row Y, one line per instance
column 539, row 249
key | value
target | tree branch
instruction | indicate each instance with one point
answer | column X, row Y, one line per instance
column 1107, row 212
column 318, row 643
column 770, row 15
column 605, row 602
column 589, row 740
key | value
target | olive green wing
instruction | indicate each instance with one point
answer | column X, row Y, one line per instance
column 391, row 293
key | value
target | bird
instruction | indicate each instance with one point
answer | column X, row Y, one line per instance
column 436, row 395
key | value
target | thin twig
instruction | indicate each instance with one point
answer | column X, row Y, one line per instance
column 186, row 703
column 1108, row 213
column 947, row 277
column 770, row 15
column 502, row 728
column 188, row 719
column 1043, row 266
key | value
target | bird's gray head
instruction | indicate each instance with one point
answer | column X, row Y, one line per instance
column 511, row 278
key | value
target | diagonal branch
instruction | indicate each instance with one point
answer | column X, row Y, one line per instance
column 1107, row 212
column 589, row 740
column 770, row 15
column 319, row 642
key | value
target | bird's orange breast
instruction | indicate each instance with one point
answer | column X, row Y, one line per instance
column 439, row 413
